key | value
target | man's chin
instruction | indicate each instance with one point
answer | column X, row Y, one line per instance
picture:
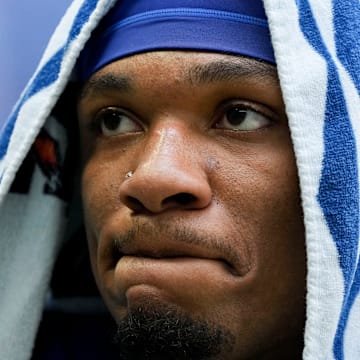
column 153, row 334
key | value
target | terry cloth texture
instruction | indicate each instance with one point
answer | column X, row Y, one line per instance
column 317, row 49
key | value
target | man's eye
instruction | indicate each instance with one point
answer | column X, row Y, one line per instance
column 113, row 121
column 242, row 118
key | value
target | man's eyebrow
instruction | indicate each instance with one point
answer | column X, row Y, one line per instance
column 215, row 71
column 227, row 70
column 103, row 83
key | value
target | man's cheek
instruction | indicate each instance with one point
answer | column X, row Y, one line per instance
column 97, row 194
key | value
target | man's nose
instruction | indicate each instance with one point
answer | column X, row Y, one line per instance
column 168, row 175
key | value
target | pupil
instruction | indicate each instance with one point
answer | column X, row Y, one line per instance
column 112, row 120
column 236, row 115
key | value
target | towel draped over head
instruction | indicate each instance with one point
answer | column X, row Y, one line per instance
column 317, row 49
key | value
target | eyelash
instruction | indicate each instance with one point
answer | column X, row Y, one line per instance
column 255, row 116
column 95, row 125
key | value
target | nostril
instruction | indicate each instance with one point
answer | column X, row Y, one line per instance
column 134, row 203
column 180, row 199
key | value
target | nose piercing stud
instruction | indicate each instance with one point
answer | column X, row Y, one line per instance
column 129, row 174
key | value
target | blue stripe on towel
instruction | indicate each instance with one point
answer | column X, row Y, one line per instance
column 47, row 74
column 347, row 36
column 338, row 191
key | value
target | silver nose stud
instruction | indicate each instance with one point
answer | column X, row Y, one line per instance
column 129, row 174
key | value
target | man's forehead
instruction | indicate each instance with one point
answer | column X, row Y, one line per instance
column 194, row 69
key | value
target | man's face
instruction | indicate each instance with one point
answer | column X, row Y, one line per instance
column 200, row 253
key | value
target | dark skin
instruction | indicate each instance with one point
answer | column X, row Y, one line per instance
column 210, row 223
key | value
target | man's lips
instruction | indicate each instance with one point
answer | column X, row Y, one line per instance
column 173, row 253
column 179, row 263
column 176, row 277
column 172, row 248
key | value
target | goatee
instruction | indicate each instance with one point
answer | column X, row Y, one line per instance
column 169, row 335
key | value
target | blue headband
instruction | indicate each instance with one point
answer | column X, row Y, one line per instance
column 133, row 26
